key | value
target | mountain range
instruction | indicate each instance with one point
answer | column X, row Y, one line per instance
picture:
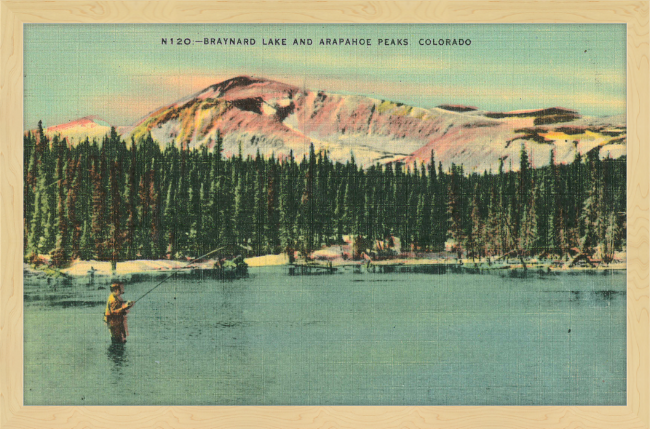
column 256, row 114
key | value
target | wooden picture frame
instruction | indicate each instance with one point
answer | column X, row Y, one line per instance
column 13, row 414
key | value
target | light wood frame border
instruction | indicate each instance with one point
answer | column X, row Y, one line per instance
column 13, row 414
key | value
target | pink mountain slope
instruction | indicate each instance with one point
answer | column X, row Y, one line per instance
column 79, row 129
column 255, row 114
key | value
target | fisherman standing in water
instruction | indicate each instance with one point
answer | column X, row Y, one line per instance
column 116, row 313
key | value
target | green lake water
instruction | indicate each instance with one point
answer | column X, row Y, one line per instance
column 347, row 338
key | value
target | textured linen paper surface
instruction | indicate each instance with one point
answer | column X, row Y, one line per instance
column 325, row 214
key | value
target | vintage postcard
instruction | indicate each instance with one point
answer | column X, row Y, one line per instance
column 267, row 214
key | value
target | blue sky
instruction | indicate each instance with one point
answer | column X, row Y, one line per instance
column 122, row 72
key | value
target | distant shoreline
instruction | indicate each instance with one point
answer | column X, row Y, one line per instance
column 102, row 269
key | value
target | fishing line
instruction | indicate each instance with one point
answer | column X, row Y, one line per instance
column 174, row 273
column 54, row 183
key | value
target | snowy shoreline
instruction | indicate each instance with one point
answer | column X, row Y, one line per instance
column 81, row 268
column 163, row 266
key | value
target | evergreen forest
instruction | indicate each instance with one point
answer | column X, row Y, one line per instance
column 122, row 200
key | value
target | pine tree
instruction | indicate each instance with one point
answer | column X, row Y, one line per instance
column 170, row 222
column 340, row 211
column 87, row 152
column 35, row 241
column 575, row 201
column 410, row 232
column 620, row 202
column 98, row 210
column 423, row 221
column 589, row 217
column 549, row 208
column 115, row 242
column 215, row 201
column 528, row 235
column 524, row 188
column 144, row 242
column 561, row 238
column 368, row 216
column 439, row 214
column 454, row 211
column 493, row 228
column 287, row 207
column 29, row 166
column 194, row 213
column 50, row 216
column 227, row 210
column 86, row 245
column 511, row 212
column 241, row 222
column 72, row 204
column 130, row 245
column 348, row 219
column 378, row 201
column 609, row 243
column 474, row 238
column 272, row 226
column 61, row 255
column 206, row 238
column 183, row 216
column 201, row 201
column 155, row 200
column 260, row 207
column 216, row 194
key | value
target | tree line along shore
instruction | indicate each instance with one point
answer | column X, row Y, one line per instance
column 113, row 200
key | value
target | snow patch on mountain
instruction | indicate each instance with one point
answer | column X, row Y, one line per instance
column 257, row 114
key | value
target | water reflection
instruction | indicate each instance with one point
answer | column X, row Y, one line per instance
column 276, row 340
column 118, row 356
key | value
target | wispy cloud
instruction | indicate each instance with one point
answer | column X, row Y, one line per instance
column 581, row 67
column 157, row 91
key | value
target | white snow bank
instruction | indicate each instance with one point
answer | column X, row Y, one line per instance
column 103, row 268
column 266, row 260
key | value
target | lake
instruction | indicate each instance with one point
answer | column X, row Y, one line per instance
column 347, row 338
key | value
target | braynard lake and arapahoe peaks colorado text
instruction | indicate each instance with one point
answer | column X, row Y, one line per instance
column 333, row 41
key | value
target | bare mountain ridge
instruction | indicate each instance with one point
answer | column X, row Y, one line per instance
column 276, row 118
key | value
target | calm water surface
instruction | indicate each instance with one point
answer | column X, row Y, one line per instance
column 355, row 339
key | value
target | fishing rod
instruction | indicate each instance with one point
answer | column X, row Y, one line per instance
column 54, row 183
column 174, row 273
